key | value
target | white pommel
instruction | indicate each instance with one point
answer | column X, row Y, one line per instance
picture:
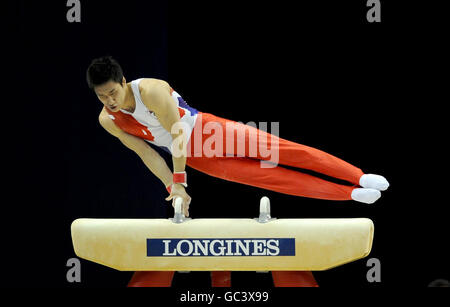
column 179, row 214
column 178, row 205
column 264, row 210
column 264, row 205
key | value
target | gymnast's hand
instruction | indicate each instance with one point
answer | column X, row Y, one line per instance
column 179, row 191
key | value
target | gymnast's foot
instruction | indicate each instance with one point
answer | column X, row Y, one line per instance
column 372, row 181
column 367, row 196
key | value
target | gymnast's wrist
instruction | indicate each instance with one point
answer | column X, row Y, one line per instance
column 179, row 185
column 180, row 178
column 169, row 187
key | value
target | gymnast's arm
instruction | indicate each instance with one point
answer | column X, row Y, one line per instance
column 156, row 97
column 155, row 163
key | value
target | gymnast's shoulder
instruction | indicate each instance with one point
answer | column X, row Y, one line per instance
column 156, row 95
column 149, row 86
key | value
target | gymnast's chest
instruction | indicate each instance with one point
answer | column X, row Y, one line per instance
column 148, row 118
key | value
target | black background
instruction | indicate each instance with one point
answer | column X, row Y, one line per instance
column 372, row 94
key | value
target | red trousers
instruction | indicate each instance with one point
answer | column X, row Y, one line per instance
column 225, row 149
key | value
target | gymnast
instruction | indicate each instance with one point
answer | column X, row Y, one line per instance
column 147, row 110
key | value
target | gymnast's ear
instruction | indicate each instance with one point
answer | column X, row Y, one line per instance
column 124, row 82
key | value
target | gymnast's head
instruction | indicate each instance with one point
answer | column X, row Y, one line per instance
column 105, row 77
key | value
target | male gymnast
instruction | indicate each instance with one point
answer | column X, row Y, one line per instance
column 146, row 110
column 150, row 111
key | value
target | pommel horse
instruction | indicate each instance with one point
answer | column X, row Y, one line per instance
column 156, row 248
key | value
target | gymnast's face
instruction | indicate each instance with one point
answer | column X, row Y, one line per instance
column 112, row 94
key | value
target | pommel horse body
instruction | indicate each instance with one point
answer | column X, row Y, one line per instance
column 290, row 248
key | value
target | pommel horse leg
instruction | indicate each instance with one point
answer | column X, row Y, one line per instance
column 164, row 279
column 220, row 279
column 223, row 279
column 293, row 279
column 151, row 279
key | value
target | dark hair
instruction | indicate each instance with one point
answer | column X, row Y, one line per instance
column 102, row 70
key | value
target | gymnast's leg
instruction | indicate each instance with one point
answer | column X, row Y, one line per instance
column 248, row 171
column 290, row 153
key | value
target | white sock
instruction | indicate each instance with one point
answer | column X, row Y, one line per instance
column 363, row 195
column 374, row 182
